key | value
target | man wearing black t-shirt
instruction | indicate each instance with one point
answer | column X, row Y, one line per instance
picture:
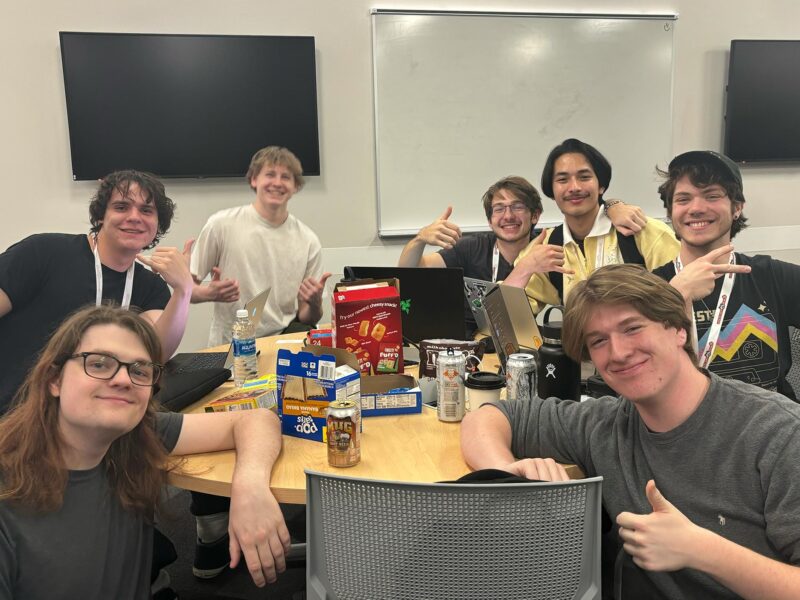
column 45, row 277
column 741, row 306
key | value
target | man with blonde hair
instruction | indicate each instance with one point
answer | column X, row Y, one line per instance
column 259, row 246
column 698, row 471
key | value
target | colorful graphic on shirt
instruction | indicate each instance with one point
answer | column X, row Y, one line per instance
column 747, row 348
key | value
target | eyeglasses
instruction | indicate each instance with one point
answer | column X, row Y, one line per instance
column 517, row 208
column 105, row 366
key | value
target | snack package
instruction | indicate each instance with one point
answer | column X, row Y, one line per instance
column 366, row 321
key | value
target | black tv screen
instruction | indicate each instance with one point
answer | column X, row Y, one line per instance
column 763, row 106
column 187, row 105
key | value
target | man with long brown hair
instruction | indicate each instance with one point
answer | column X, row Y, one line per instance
column 82, row 462
column 699, row 471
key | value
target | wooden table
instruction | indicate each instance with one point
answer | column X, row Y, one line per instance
column 413, row 448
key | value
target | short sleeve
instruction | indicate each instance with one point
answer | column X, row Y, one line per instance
column 206, row 251
column 22, row 269
column 168, row 428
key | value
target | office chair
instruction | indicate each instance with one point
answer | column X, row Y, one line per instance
column 377, row 540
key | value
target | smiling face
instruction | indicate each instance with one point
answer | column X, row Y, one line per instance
column 515, row 221
column 637, row 357
column 274, row 186
column 130, row 222
column 92, row 408
column 576, row 188
column 702, row 216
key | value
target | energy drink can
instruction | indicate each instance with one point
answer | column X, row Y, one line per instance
column 450, row 370
column 520, row 376
column 344, row 433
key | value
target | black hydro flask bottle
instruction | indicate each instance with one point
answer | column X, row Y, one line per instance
column 559, row 375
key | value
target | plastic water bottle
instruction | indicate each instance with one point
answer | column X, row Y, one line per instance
column 245, row 363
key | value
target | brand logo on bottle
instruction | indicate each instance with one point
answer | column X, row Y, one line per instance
column 551, row 370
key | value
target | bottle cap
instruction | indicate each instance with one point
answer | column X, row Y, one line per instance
column 242, row 313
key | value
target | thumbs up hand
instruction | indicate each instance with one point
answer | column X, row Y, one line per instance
column 664, row 540
column 441, row 232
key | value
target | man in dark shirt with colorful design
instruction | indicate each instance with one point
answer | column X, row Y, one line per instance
column 741, row 306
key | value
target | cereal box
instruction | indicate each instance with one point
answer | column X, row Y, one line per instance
column 366, row 322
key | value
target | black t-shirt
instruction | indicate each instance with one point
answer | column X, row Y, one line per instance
column 753, row 344
column 473, row 253
column 47, row 277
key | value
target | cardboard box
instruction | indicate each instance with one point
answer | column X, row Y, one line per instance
column 258, row 393
column 390, row 395
column 307, row 383
column 366, row 322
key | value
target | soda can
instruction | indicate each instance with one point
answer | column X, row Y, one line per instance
column 450, row 370
column 520, row 376
column 344, row 433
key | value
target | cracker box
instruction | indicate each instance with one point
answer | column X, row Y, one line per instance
column 390, row 395
column 307, row 383
column 258, row 393
column 366, row 322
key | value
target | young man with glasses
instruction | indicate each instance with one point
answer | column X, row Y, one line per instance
column 45, row 277
column 84, row 458
column 575, row 176
column 741, row 306
column 512, row 207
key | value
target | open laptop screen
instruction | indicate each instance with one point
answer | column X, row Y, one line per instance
column 432, row 300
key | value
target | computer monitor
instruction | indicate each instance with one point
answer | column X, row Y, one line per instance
column 432, row 299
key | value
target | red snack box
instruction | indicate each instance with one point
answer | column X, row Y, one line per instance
column 366, row 322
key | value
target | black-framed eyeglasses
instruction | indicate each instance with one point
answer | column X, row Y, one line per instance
column 105, row 366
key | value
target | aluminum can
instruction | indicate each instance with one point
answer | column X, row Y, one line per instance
column 450, row 370
column 344, row 433
column 520, row 376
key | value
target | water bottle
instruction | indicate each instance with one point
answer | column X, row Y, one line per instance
column 245, row 363
column 559, row 375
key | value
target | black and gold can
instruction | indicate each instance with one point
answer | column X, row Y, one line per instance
column 344, row 434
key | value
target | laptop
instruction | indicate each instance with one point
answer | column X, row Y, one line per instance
column 432, row 300
column 189, row 362
column 511, row 321
column 474, row 291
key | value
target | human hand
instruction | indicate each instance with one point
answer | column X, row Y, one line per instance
column 441, row 232
column 172, row 265
column 311, row 290
column 543, row 258
column 222, row 290
column 696, row 280
column 257, row 531
column 545, row 469
column 627, row 218
column 662, row 540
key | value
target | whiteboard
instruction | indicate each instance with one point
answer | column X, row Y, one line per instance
column 464, row 99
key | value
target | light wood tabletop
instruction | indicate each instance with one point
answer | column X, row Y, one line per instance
column 411, row 448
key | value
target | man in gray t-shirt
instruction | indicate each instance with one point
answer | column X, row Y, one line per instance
column 698, row 471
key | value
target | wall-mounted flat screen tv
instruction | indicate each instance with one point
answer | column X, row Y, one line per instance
column 187, row 105
column 762, row 121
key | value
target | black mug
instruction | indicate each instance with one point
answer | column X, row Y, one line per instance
column 559, row 375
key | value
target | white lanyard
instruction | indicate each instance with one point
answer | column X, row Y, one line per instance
column 98, row 280
column 495, row 262
column 704, row 354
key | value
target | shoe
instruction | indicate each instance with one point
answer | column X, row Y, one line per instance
column 211, row 559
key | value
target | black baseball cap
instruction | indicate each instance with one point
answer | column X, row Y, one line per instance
column 715, row 159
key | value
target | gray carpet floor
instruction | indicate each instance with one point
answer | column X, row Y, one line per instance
column 178, row 525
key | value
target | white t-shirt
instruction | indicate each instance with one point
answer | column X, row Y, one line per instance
column 259, row 255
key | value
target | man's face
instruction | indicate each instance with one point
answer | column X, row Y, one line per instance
column 637, row 357
column 131, row 220
column 92, row 408
column 274, row 185
column 702, row 217
column 511, row 220
column 576, row 189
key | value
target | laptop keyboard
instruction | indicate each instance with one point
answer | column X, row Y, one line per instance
column 202, row 360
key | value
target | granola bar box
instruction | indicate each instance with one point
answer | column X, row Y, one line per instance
column 366, row 321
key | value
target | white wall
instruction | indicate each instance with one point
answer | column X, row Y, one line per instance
column 38, row 194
